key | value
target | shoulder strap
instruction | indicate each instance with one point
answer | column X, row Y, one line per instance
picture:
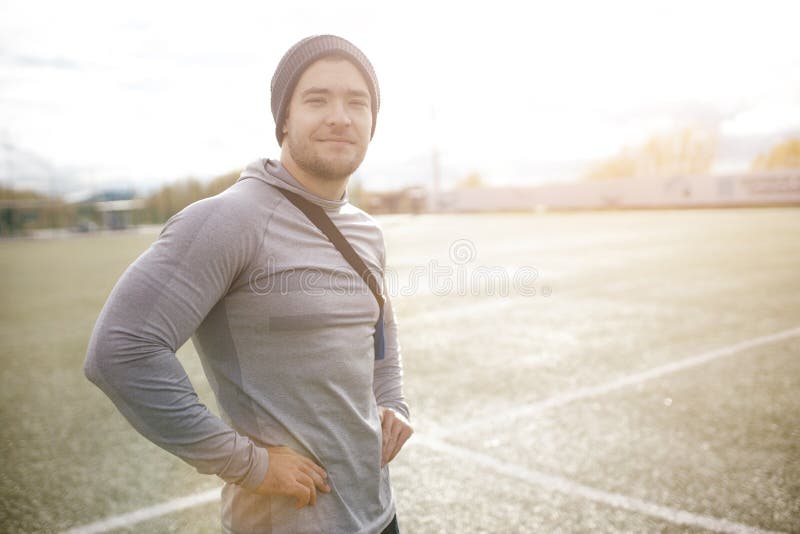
column 321, row 220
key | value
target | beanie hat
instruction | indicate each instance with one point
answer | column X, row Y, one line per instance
column 300, row 56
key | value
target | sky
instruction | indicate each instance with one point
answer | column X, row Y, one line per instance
column 100, row 95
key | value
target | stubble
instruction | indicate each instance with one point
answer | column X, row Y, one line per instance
column 334, row 168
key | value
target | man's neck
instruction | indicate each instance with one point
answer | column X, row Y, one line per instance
column 327, row 189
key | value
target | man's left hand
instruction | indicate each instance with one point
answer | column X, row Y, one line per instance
column 395, row 432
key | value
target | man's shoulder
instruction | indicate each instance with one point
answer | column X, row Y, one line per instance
column 354, row 211
column 242, row 208
column 241, row 201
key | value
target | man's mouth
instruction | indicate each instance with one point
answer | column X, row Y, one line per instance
column 337, row 140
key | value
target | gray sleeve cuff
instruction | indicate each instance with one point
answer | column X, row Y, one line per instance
column 399, row 407
column 255, row 476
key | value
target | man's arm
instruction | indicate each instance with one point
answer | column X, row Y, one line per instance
column 388, row 372
column 156, row 305
column 388, row 388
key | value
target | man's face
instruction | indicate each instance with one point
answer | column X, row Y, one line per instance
column 328, row 126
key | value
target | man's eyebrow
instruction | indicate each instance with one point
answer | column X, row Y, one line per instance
column 325, row 91
column 358, row 92
column 315, row 90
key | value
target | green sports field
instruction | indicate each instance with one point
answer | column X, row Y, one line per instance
column 567, row 372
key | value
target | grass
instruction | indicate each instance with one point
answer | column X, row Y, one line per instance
column 629, row 291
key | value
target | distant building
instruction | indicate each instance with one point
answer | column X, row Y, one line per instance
column 110, row 209
column 117, row 214
column 773, row 188
column 408, row 200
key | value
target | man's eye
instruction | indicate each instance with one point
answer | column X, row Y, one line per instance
column 359, row 102
column 315, row 101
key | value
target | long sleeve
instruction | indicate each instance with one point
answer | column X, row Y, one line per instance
column 154, row 308
column 388, row 373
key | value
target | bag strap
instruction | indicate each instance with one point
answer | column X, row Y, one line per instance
column 321, row 220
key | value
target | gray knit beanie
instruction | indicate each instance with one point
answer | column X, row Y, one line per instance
column 300, row 56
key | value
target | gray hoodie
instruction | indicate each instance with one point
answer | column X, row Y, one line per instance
column 284, row 329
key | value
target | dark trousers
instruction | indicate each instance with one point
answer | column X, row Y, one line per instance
column 392, row 528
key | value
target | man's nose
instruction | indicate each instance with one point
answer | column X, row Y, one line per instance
column 338, row 114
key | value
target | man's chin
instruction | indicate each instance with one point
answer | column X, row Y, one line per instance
column 328, row 165
column 341, row 167
column 333, row 169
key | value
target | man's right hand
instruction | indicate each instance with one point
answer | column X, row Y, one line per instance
column 294, row 475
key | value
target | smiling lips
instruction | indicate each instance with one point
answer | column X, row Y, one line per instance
column 337, row 140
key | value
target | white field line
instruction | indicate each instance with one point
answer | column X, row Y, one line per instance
column 630, row 380
column 560, row 484
column 143, row 514
column 574, row 489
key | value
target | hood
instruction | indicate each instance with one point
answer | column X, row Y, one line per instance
column 271, row 171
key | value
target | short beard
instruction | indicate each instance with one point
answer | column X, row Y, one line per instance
column 308, row 159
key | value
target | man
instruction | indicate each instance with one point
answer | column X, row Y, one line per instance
column 311, row 414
